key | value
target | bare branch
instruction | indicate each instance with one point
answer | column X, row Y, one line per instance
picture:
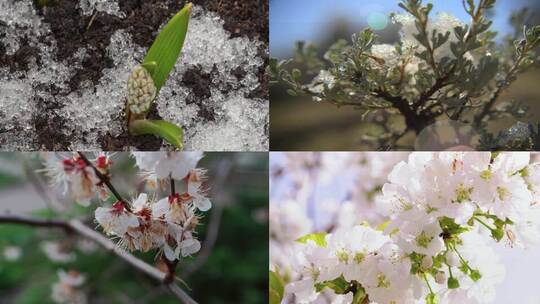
column 15, row 219
column 180, row 294
column 78, row 227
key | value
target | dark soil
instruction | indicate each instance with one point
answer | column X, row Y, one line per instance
column 20, row 60
column 47, row 122
column 199, row 82
column 242, row 17
column 72, row 31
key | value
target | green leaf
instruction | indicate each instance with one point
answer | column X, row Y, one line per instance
column 338, row 285
column 359, row 296
column 497, row 234
column 318, row 238
column 276, row 287
column 167, row 46
column 449, row 226
column 163, row 129
column 151, row 67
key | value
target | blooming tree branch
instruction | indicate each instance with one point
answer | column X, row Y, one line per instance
column 167, row 225
column 75, row 226
column 441, row 72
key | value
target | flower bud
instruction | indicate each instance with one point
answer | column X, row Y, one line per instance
column 141, row 90
column 452, row 259
column 440, row 277
column 426, row 264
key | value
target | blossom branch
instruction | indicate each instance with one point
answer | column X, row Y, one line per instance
column 78, row 227
column 104, row 179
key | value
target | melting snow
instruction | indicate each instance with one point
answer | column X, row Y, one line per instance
column 240, row 123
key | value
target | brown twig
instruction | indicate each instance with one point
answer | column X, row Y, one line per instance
column 105, row 180
column 78, row 227
column 173, row 190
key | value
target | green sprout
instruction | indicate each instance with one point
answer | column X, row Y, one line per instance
column 146, row 80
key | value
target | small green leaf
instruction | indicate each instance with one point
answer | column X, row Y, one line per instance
column 359, row 296
column 163, row 129
column 167, row 46
column 296, row 73
column 276, row 288
column 338, row 285
column 497, row 234
column 318, row 238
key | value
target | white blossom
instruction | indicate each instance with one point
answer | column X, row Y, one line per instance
column 12, row 253
column 437, row 212
column 78, row 178
column 66, row 290
column 165, row 164
column 57, row 252
column 116, row 220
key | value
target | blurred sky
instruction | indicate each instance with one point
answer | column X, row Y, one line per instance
column 292, row 20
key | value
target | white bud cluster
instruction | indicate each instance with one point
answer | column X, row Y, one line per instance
column 141, row 90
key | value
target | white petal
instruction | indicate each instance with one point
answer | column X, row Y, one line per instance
column 180, row 170
column 163, row 168
column 190, row 246
column 202, row 203
column 161, row 207
column 140, row 201
column 104, row 218
column 169, row 253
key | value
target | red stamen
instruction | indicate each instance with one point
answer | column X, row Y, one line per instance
column 118, row 207
column 174, row 198
column 68, row 165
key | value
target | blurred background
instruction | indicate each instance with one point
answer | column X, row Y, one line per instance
column 230, row 268
column 298, row 123
column 333, row 189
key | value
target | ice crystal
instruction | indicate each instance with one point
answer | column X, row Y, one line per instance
column 89, row 7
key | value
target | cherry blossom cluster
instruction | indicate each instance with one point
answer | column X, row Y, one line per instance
column 440, row 213
column 298, row 209
column 151, row 221
column 78, row 177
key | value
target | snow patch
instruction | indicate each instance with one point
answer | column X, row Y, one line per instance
column 95, row 110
